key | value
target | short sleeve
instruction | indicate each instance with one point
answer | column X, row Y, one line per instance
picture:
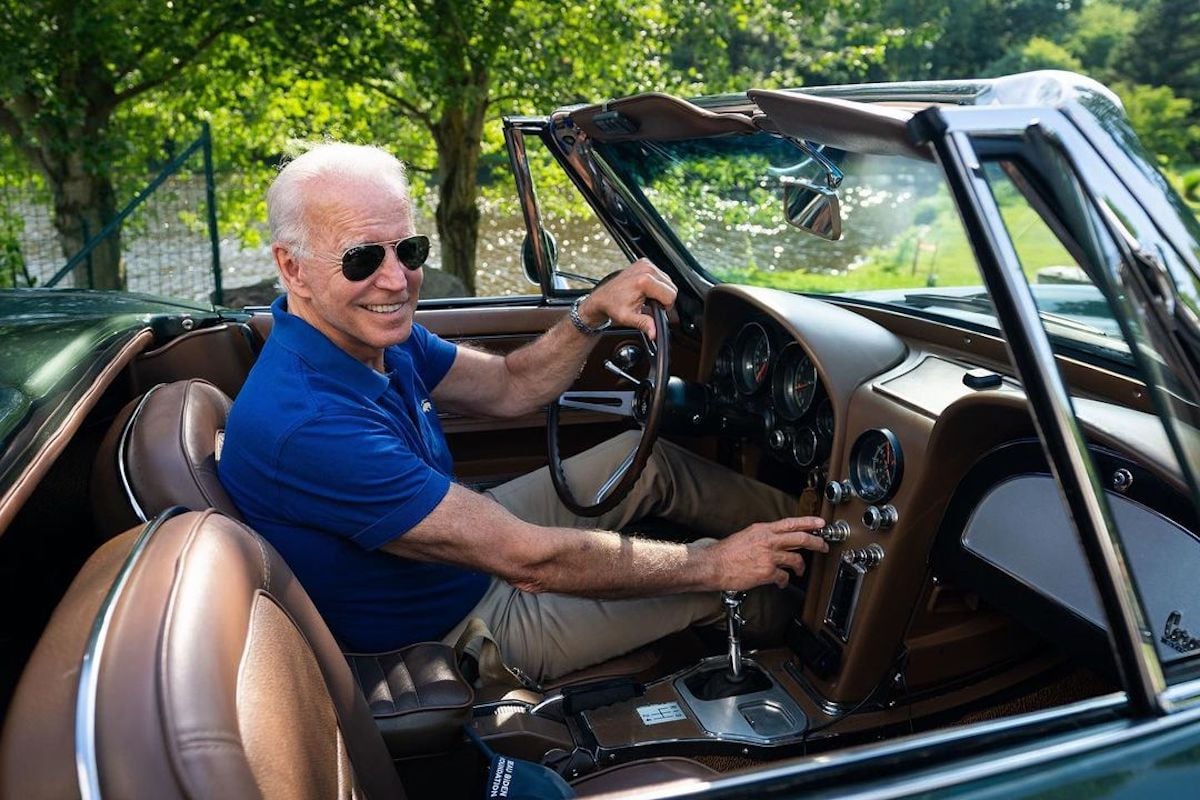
column 353, row 476
column 432, row 355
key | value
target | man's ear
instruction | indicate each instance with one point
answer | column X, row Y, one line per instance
column 289, row 270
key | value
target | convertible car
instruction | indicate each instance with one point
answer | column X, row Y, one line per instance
column 957, row 320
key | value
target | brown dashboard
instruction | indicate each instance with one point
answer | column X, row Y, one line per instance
column 897, row 423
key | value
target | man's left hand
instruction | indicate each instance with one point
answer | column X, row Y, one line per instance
column 622, row 298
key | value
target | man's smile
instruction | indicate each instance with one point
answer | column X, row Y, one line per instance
column 384, row 309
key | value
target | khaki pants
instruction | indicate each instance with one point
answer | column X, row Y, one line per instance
column 549, row 635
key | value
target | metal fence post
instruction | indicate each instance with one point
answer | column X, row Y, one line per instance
column 210, row 191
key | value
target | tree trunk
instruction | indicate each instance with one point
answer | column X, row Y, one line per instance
column 84, row 204
column 458, row 135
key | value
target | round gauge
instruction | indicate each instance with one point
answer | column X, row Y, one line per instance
column 795, row 382
column 752, row 358
column 876, row 465
column 804, row 447
column 825, row 419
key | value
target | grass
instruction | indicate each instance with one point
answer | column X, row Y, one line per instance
column 936, row 254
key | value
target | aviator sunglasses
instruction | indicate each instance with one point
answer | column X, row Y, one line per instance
column 361, row 261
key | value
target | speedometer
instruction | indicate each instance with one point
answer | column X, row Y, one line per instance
column 795, row 382
column 876, row 465
column 752, row 354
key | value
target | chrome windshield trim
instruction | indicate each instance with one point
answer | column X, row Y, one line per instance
column 86, row 767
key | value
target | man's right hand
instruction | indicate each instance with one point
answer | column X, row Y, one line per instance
column 763, row 552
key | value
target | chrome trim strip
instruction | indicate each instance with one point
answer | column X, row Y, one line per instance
column 122, row 445
column 859, row 757
column 1182, row 695
column 86, row 769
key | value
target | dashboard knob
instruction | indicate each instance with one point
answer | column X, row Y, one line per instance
column 838, row 492
column 836, row 531
column 777, row 439
column 876, row 518
column 866, row 557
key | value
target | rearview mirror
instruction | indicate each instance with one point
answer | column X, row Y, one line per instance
column 812, row 208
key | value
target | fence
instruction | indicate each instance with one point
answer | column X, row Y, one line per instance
column 168, row 232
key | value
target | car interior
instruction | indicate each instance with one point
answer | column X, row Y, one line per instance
column 168, row 643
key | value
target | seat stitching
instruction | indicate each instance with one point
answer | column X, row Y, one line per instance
column 416, row 689
column 387, row 683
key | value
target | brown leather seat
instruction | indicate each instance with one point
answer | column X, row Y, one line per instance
column 186, row 661
column 160, row 451
column 208, row 673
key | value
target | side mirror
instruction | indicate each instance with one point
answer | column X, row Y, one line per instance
column 812, row 208
column 529, row 259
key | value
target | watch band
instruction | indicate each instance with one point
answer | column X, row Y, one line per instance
column 580, row 325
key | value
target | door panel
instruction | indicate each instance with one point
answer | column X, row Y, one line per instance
column 488, row 451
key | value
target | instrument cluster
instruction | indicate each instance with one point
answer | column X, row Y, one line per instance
column 762, row 372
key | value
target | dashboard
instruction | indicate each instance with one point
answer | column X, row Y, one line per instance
column 762, row 371
column 888, row 428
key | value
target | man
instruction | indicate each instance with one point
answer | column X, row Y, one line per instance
column 333, row 451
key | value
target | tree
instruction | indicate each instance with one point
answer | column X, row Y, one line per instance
column 1037, row 53
column 1163, row 49
column 961, row 39
column 1100, row 30
column 1162, row 120
column 65, row 69
column 462, row 60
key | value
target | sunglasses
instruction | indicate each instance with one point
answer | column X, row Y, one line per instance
column 361, row 261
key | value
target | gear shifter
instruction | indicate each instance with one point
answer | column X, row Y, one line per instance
column 733, row 625
column 736, row 678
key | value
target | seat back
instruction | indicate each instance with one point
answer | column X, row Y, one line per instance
column 187, row 661
column 161, row 451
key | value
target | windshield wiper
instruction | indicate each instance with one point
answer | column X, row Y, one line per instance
column 981, row 302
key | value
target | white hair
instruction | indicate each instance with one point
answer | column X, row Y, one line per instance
column 328, row 161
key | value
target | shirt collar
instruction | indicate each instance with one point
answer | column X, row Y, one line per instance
column 313, row 347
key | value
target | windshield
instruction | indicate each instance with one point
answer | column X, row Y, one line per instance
column 902, row 244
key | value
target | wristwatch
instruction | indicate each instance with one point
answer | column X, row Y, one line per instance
column 580, row 325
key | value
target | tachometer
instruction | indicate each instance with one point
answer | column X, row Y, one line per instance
column 752, row 353
column 876, row 465
column 795, row 382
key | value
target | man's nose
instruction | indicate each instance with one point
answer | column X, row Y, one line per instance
column 391, row 275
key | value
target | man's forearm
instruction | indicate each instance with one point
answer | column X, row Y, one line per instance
column 545, row 368
column 604, row 564
column 474, row 531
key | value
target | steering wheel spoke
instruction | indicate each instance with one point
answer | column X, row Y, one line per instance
column 608, row 484
column 618, row 404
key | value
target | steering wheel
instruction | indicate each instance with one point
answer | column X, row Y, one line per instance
column 644, row 404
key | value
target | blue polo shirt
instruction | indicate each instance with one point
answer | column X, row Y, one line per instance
column 329, row 460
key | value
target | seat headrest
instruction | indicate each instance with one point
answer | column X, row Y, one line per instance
column 162, row 451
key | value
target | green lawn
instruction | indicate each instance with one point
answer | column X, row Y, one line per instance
column 944, row 258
